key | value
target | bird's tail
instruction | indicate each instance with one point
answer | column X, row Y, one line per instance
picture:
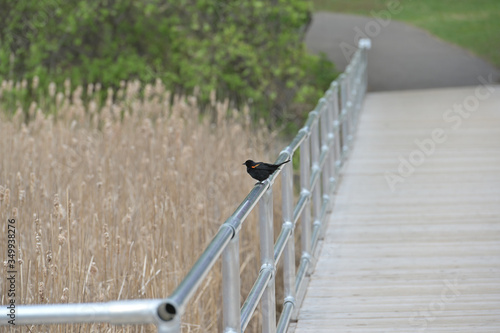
column 284, row 162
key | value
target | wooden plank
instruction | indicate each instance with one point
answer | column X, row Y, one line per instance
column 423, row 255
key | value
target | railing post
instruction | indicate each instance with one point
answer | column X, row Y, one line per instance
column 334, row 105
column 357, row 92
column 289, row 300
column 331, row 140
column 305, row 169
column 328, row 181
column 316, row 191
column 287, row 212
column 326, row 146
column 360, row 80
column 305, row 214
column 231, row 286
column 168, row 327
column 364, row 44
column 267, row 260
column 343, row 119
column 351, row 98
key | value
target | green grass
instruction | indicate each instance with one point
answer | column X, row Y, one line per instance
column 473, row 25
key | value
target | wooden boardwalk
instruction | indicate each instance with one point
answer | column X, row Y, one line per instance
column 413, row 244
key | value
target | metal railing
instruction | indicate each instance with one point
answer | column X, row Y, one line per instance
column 324, row 144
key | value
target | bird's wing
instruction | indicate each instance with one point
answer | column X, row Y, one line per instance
column 267, row 166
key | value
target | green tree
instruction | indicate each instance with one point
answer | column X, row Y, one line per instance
column 247, row 51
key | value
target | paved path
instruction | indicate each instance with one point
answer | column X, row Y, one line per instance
column 422, row 254
column 402, row 57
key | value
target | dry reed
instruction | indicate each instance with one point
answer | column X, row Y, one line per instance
column 117, row 200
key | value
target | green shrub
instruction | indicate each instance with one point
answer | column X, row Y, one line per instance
column 250, row 52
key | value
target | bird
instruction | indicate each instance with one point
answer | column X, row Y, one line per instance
column 260, row 170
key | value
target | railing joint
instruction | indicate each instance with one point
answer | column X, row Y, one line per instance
column 228, row 224
column 306, row 257
column 306, row 131
column 229, row 330
column 326, row 197
column 305, row 193
column 291, row 300
column 268, row 267
column 288, row 151
column 287, row 225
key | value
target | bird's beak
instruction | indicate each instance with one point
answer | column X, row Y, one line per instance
column 242, row 163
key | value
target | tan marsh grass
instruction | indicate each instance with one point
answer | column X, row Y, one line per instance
column 117, row 200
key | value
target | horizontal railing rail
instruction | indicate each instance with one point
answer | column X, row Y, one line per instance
column 324, row 143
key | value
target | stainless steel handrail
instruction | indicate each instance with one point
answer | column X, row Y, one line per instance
column 324, row 143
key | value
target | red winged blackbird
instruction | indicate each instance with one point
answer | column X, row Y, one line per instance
column 260, row 170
